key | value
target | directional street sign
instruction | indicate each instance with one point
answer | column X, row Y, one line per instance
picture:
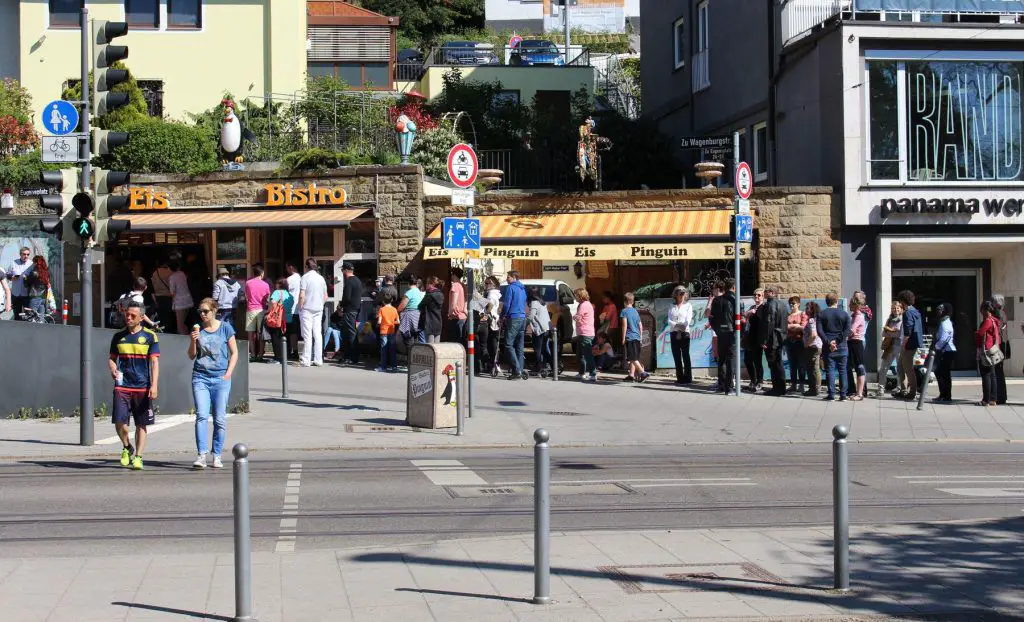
column 462, row 166
column 60, row 148
column 744, row 180
column 744, row 228
column 60, row 117
column 83, row 228
column 460, row 233
column 706, row 142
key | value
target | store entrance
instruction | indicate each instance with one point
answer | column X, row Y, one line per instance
column 960, row 288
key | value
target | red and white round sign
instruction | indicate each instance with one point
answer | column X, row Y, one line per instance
column 462, row 166
column 744, row 180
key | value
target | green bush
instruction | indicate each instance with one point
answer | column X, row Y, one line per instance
column 320, row 159
column 158, row 146
column 430, row 149
column 22, row 171
column 118, row 119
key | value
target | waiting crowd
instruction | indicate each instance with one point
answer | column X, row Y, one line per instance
column 25, row 291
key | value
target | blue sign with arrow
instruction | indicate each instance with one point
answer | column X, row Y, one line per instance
column 460, row 234
column 60, row 117
column 744, row 227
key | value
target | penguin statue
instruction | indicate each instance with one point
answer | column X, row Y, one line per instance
column 232, row 133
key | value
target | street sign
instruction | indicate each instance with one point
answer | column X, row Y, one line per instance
column 744, row 180
column 83, row 228
column 743, row 206
column 60, row 117
column 706, row 142
column 460, row 233
column 744, row 228
column 474, row 264
column 60, row 148
column 465, row 198
column 462, row 165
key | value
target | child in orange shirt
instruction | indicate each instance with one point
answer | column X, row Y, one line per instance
column 387, row 322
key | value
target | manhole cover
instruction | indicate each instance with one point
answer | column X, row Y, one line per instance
column 564, row 413
column 655, row 579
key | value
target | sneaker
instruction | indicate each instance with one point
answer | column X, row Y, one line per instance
column 526, row 375
column 381, row 369
column 217, row 464
column 593, row 378
column 200, row 462
column 643, row 377
column 126, row 455
column 137, row 463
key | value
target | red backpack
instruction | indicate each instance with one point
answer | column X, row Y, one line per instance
column 275, row 315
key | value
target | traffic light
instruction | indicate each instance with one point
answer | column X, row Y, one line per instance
column 107, row 205
column 105, row 78
column 61, row 225
column 104, row 141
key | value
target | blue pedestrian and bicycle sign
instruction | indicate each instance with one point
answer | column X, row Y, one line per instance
column 60, row 117
column 744, row 228
column 461, row 234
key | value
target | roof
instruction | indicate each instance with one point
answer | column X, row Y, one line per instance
column 252, row 218
column 337, row 13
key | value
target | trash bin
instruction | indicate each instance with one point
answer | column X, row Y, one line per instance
column 648, row 326
column 432, row 395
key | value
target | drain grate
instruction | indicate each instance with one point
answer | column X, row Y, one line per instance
column 653, row 579
column 363, row 428
column 565, row 413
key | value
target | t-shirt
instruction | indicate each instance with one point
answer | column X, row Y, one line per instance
column 632, row 318
column 315, row 288
column 415, row 296
column 132, row 351
column 212, row 353
column 19, row 272
column 387, row 320
column 256, row 293
column 294, row 281
column 284, row 297
column 611, row 315
column 352, row 294
column 179, row 289
column 161, row 280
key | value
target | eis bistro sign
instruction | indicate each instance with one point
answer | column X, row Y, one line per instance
column 277, row 195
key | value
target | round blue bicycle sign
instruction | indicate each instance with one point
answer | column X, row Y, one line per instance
column 60, row 117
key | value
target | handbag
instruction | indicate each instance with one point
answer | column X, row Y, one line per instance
column 993, row 356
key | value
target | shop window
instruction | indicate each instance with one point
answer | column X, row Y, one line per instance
column 360, row 238
column 185, row 13
column 321, row 242
column 66, row 13
column 231, row 245
column 142, row 13
column 939, row 121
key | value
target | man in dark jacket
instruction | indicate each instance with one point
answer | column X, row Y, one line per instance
column 513, row 314
column 351, row 300
column 771, row 334
column 723, row 319
column 834, row 327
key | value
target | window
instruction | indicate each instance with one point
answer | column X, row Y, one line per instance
column 184, row 13
column 679, row 42
column 942, row 121
column 702, row 26
column 373, row 76
column 760, row 152
column 66, row 13
column 142, row 13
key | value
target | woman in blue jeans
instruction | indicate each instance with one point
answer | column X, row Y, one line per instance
column 215, row 352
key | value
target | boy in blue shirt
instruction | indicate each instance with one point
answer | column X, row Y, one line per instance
column 134, row 365
column 631, row 339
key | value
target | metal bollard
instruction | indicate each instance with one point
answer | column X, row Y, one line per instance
column 556, row 351
column 541, row 519
column 929, row 365
column 284, row 365
column 460, row 406
column 243, row 536
column 840, row 508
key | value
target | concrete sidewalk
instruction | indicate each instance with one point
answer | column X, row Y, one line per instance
column 974, row 570
column 345, row 408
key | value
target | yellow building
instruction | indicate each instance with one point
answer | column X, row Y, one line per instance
column 185, row 53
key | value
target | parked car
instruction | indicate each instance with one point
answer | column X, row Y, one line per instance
column 410, row 55
column 536, row 52
column 467, row 53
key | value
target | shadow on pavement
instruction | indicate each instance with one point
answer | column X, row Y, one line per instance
column 99, row 463
column 37, row 442
column 507, row 599
column 322, row 405
column 181, row 612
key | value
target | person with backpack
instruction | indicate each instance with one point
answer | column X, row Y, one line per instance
column 138, row 296
column 279, row 311
column 722, row 318
column 225, row 292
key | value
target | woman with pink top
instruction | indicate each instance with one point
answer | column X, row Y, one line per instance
column 856, row 344
column 584, row 319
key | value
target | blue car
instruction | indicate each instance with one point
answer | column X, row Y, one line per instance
column 536, row 52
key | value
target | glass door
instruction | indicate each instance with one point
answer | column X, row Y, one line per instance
column 960, row 288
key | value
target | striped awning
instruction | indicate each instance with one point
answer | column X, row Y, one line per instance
column 241, row 219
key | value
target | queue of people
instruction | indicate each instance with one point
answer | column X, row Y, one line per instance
column 26, row 293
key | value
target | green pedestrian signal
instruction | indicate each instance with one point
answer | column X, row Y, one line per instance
column 83, row 228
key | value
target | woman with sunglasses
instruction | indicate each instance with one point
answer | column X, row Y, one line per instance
column 215, row 352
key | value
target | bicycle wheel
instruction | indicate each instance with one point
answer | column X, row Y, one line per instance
column 47, row 319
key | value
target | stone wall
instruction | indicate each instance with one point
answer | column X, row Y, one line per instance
column 795, row 244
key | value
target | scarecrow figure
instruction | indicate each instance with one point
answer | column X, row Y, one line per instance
column 586, row 153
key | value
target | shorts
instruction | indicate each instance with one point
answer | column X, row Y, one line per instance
column 632, row 351
column 253, row 321
column 133, row 405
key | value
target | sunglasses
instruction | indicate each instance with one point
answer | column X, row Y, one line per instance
column 205, row 311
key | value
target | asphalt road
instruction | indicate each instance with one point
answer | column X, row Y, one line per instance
column 346, row 499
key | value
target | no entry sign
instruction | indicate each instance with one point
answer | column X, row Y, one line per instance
column 744, row 180
column 462, row 166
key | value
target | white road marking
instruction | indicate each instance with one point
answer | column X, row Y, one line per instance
column 676, row 484
column 290, row 507
column 933, row 477
column 992, row 486
column 165, row 423
column 695, row 481
column 448, row 473
column 984, row 492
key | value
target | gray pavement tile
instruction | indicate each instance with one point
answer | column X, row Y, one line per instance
column 708, row 604
column 783, row 603
column 471, row 609
column 402, row 613
column 79, row 614
column 549, row 614
column 693, row 547
column 630, row 548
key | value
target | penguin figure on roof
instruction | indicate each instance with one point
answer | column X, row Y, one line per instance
column 232, row 133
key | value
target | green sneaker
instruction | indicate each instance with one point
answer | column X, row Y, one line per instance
column 137, row 463
column 126, row 456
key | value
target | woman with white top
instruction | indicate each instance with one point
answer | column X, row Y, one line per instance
column 181, row 298
column 493, row 288
column 680, row 321
column 945, row 353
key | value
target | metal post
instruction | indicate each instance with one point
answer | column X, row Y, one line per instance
column 243, row 536
column 736, row 258
column 840, row 508
column 565, row 9
column 86, row 425
column 460, row 411
column 284, row 364
column 470, row 336
column 541, row 519
column 929, row 365
column 64, row 313
column 556, row 350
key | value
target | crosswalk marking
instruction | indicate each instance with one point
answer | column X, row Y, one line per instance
column 984, row 492
column 448, row 473
column 288, row 526
column 992, row 486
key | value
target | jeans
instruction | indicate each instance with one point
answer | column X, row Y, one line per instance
column 943, row 374
column 778, row 373
column 604, row 362
column 388, row 351
column 541, row 351
column 1000, row 394
column 515, row 335
column 988, row 383
column 312, row 337
column 836, row 360
column 456, row 330
column 227, row 316
column 38, row 305
column 586, row 352
column 210, row 393
column 908, row 374
column 812, row 368
column 333, row 336
column 725, row 360
column 797, row 371
column 350, row 337
column 753, row 360
column 680, row 343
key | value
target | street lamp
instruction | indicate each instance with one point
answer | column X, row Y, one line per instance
column 405, row 133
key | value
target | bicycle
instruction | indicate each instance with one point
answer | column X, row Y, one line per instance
column 30, row 315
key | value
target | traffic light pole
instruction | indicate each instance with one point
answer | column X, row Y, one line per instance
column 738, row 362
column 86, row 423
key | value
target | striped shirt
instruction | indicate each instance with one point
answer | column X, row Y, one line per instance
column 131, row 352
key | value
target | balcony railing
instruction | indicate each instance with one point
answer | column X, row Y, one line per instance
column 531, row 170
column 484, row 55
column 701, row 71
column 409, row 72
column 800, row 17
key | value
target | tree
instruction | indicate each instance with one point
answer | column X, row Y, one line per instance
column 15, row 101
column 425, row 21
column 16, row 131
column 117, row 119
